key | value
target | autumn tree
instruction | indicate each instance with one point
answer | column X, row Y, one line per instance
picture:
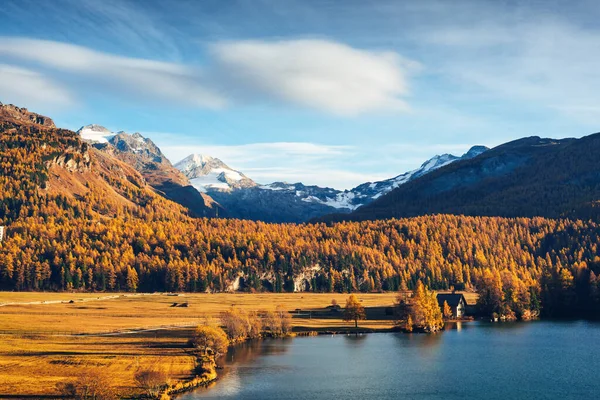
column 424, row 310
column 447, row 311
column 116, row 233
column 278, row 322
column 354, row 310
column 211, row 340
column 241, row 325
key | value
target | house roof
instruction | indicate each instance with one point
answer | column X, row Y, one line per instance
column 453, row 299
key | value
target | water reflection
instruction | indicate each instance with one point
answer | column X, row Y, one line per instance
column 356, row 339
column 453, row 325
column 251, row 349
column 540, row 360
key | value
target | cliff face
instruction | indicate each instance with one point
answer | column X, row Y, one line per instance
column 12, row 113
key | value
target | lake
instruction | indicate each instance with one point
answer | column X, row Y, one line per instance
column 534, row 360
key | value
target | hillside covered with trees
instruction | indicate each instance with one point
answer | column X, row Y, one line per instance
column 79, row 219
column 528, row 177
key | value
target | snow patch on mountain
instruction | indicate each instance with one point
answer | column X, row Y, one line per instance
column 209, row 173
column 95, row 133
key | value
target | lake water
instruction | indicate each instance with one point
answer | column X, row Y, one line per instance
column 535, row 360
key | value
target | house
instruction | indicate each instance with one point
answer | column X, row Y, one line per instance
column 456, row 301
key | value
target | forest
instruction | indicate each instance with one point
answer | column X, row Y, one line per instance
column 78, row 220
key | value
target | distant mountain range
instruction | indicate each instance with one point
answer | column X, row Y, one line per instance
column 243, row 198
column 218, row 186
column 527, row 177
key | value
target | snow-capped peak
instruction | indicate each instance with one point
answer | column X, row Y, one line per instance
column 375, row 190
column 209, row 173
column 95, row 133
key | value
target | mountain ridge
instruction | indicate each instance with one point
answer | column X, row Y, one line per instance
column 147, row 158
column 292, row 202
column 527, row 177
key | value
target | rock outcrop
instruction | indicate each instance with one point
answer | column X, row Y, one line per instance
column 21, row 115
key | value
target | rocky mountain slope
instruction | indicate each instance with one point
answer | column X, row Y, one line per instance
column 143, row 155
column 528, row 177
column 19, row 115
column 207, row 173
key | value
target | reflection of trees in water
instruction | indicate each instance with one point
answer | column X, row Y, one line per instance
column 426, row 342
column 252, row 349
column 355, row 339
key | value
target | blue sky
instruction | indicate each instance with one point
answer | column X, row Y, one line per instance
column 333, row 93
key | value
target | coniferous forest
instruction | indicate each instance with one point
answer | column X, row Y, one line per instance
column 78, row 219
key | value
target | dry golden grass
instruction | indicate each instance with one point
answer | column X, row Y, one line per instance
column 38, row 347
column 33, row 365
column 150, row 311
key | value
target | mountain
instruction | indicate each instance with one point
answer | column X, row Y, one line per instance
column 528, row 177
column 143, row 155
column 208, row 173
column 372, row 190
column 59, row 171
column 277, row 202
column 243, row 198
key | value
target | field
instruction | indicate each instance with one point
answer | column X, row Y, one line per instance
column 47, row 337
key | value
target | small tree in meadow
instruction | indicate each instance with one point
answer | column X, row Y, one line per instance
column 211, row 340
column 151, row 381
column 354, row 311
column 285, row 318
column 89, row 384
column 236, row 323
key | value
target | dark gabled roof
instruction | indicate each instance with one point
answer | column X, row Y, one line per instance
column 451, row 298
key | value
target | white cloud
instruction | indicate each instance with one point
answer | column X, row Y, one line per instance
column 323, row 75
column 25, row 87
column 319, row 74
column 131, row 76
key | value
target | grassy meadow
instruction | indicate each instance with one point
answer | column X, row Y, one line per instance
column 45, row 338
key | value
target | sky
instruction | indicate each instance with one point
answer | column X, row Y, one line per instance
column 332, row 93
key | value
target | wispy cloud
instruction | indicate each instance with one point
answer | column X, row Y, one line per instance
column 134, row 77
column 22, row 86
column 319, row 74
column 323, row 75
column 546, row 61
